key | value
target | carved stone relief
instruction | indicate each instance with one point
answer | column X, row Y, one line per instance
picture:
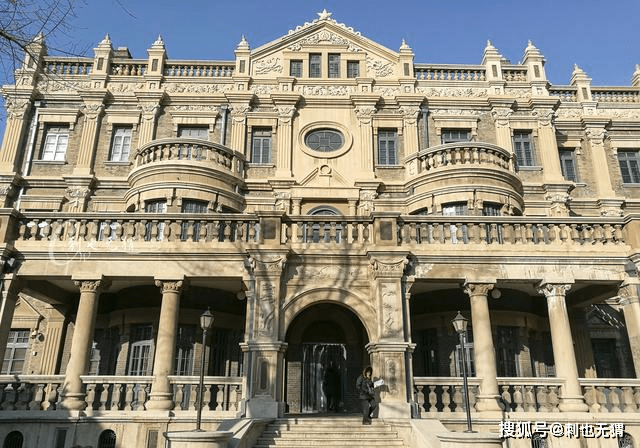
column 379, row 68
column 265, row 66
column 267, row 309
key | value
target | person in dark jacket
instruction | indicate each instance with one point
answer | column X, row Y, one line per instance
column 364, row 387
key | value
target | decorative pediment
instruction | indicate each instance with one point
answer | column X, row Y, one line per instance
column 324, row 34
column 324, row 177
column 25, row 315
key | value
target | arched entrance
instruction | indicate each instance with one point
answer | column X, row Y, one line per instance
column 326, row 353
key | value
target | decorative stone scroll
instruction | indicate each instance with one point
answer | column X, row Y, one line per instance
column 327, row 38
column 265, row 66
column 388, row 268
column 379, row 68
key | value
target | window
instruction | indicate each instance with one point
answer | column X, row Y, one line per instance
column 353, row 69
column 568, row 164
column 121, row 144
column 184, row 351
column 60, row 437
column 468, row 349
column 507, row 349
column 201, row 132
column 295, row 68
column 629, row 166
column 13, row 440
column 490, row 209
column 155, row 206
column 140, row 351
column 324, row 140
column 425, row 356
column 523, row 147
column 55, row 143
column 334, row 65
column 261, row 146
column 387, row 150
column 455, row 135
column 107, row 439
column 315, row 65
column 192, row 206
column 455, row 209
column 16, row 352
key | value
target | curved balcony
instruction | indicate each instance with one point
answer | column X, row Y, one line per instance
column 470, row 172
column 186, row 168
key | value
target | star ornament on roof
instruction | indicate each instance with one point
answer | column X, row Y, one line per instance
column 324, row 15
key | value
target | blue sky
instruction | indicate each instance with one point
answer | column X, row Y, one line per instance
column 601, row 37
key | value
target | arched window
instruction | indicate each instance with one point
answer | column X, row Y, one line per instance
column 625, row 441
column 107, row 439
column 316, row 233
column 13, row 440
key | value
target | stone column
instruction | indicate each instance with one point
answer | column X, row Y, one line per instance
column 484, row 352
column 631, row 307
column 14, row 134
column 390, row 352
column 264, row 348
column 285, row 106
column 161, row 396
column 7, row 307
column 72, row 393
column 571, row 398
column 365, row 109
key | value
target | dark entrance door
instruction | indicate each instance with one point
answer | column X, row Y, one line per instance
column 324, row 370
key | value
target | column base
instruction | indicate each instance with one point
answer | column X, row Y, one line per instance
column 73, row 402
column 573, row 404
column 488, row 403
column 264, row 408
column 391, row 409
column 162, row 402
column 464, row 439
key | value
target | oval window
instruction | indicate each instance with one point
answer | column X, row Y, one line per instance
column 324, row 140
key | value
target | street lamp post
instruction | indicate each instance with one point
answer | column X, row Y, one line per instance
column 206, row 321
column 460, row 325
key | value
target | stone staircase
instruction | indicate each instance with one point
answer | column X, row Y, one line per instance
column 328, row 432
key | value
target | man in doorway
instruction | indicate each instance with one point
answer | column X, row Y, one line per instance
column 364, row 386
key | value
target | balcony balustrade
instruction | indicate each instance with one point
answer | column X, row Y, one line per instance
column 222, row 395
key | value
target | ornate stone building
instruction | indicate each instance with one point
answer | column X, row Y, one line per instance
column 334, row 203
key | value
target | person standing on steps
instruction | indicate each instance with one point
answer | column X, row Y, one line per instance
column 364, row 387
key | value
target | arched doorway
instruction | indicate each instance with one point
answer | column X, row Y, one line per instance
column 326, row 353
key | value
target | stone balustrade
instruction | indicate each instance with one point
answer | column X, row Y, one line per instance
column 67, row 66
column 128, row 67
column 565, row 93
column 514, row 73
column 199, row 69
column 461, row 154
column 602, row 395
column 429, row 72
column 615, row 94
column 118, row 393
column 190, row 149
column 120, row 231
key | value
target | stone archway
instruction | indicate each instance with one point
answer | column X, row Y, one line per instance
column 326, row 353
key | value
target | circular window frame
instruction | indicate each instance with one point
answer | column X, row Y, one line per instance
column 331, row 126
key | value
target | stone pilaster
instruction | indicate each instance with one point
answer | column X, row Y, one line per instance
column 72, row 394
column 285, row 107
column 14, row 135
column 501, row 111
column 239, row 106
column 161, row 397
column 365, row 109
column 391, row 350
column 484, row 352
column 149, row 103
column 571, row 398
column 93, row 109
column 630, row 303
column 410, row 109
column 264, row 348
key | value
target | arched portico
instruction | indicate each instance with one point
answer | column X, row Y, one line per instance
column 326, row 352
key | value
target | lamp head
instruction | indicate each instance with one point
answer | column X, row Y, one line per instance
column 460, row 323
column 206, row 320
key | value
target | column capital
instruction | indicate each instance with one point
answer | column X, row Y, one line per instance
column 628, row 293
column 388, row 267
column 169, row 285
column 472, row 288
column 94, row 286
column 552, row 289
column 267, row 265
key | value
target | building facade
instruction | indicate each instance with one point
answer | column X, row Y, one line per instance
column 334, row 203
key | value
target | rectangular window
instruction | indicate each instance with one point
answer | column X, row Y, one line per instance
column 121, row 144
column 387, row 148
column 261, row 146
column 629, row 166
column 523, row 148
column 141, row 349
column 353, row 69
column 315, row 65
column 455, row 135
column 61, row 437
column 55, row 143
column 568, row 164
column 16, row 352
column 184, row 351
column 155, row 206
column 192, row 206
column 507, row 350
column 201, row 132
column 334, row 65
column 295, row 69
